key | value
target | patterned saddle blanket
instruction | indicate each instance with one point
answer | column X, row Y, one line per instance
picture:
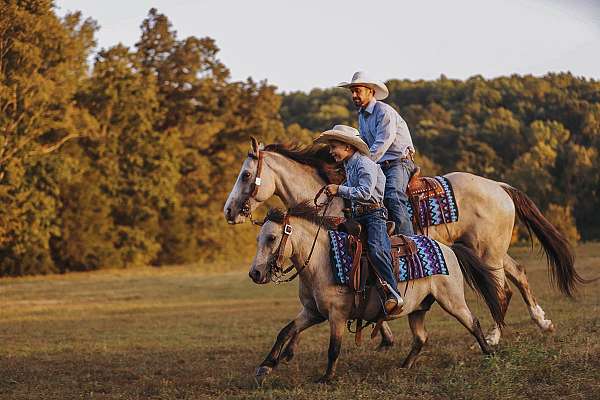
column 431, row 202
column 428, row 259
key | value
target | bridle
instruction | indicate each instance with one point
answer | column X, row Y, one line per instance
column 274, row 268
column 246, row 208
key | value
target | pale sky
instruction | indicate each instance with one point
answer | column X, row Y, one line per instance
column 300, row 45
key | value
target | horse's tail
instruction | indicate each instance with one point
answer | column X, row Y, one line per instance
column 480, row 278
column 558, row 251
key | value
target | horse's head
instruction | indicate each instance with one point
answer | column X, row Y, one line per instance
column 272, row 246
column 255, row 184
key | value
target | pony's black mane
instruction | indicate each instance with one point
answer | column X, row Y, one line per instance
column 316, row 156
column 305, row 210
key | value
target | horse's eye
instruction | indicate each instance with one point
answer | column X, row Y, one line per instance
column 245, row 176
column 271, row 238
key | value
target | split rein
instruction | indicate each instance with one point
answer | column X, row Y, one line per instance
column 278, row 273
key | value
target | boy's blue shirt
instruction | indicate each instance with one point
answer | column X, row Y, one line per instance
column 365, row 181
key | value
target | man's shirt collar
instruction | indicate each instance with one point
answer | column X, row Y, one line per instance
column 369, row 108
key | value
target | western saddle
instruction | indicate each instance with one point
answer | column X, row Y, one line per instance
column 363, row 275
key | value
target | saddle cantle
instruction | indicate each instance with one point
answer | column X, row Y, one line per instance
column 423, row 186
column 421, row 192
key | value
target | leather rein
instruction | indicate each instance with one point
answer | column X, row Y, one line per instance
column 276, row 271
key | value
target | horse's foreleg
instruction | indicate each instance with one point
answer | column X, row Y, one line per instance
column 516, row 273
column 335, row 345
column 303, row 321
column 290, row 348
column 416, row 320
column 387, row 337
column 387, row 342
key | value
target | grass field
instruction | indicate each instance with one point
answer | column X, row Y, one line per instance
column 183, row 333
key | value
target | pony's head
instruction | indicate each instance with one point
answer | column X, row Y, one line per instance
column 281, row 235
column 270, row 245
column 254, row 185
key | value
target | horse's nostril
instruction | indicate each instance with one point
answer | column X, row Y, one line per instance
column 254, row 275
column 228, row 212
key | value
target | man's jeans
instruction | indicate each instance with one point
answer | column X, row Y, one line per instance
column 394, row 198
column 379, row 247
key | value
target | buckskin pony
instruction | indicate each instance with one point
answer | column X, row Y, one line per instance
column 290, row 235
column 487, row 214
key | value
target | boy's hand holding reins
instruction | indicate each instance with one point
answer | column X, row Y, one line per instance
column 331, row 189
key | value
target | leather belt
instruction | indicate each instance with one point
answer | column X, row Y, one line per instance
column 390, row 163
column 361, row 209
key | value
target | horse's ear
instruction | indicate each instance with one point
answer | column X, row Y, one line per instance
column 255, row 146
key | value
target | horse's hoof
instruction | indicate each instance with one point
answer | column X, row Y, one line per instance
column 385, row 346
column 324, row 380
column 548, row 327
column 261, row 374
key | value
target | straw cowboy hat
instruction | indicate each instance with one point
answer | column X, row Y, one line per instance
column 361, row 78
column 345, row 134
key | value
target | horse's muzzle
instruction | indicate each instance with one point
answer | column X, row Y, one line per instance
column 257, row 277
column 232, row 217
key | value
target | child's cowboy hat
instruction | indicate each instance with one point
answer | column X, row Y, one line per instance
column 361, row 78
column 345, row 134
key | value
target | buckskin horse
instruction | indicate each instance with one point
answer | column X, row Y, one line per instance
column 289, row 235
column 487, row 214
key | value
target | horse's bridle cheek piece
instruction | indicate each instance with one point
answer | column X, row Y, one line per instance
column 246, row 208
column 275, row 269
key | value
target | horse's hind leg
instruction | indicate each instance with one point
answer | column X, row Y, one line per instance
column 416, row 320
column 516, row 273
column 303, row 321
column 493, row 336
column 457, row 307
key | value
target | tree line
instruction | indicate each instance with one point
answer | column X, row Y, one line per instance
column 129, row 161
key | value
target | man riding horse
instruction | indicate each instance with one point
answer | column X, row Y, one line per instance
column 389, row 141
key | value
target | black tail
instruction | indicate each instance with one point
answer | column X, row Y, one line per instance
column 480, row 278
column 561, row 260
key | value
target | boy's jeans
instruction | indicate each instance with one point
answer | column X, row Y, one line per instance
column 378, row 244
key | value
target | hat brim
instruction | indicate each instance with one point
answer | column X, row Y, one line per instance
column 381, row 91
column 339, row 136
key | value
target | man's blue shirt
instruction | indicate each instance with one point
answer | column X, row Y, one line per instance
column 384, row 131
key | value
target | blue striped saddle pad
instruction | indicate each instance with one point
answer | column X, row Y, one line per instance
column 437, row 210
column 428, row 261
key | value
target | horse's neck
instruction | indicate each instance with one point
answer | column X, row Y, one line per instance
column 295, row 183
column 317, row 273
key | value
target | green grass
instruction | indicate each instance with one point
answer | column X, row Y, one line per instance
column 183, row 333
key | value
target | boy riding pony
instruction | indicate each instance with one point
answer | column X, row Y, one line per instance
column 364, row 187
